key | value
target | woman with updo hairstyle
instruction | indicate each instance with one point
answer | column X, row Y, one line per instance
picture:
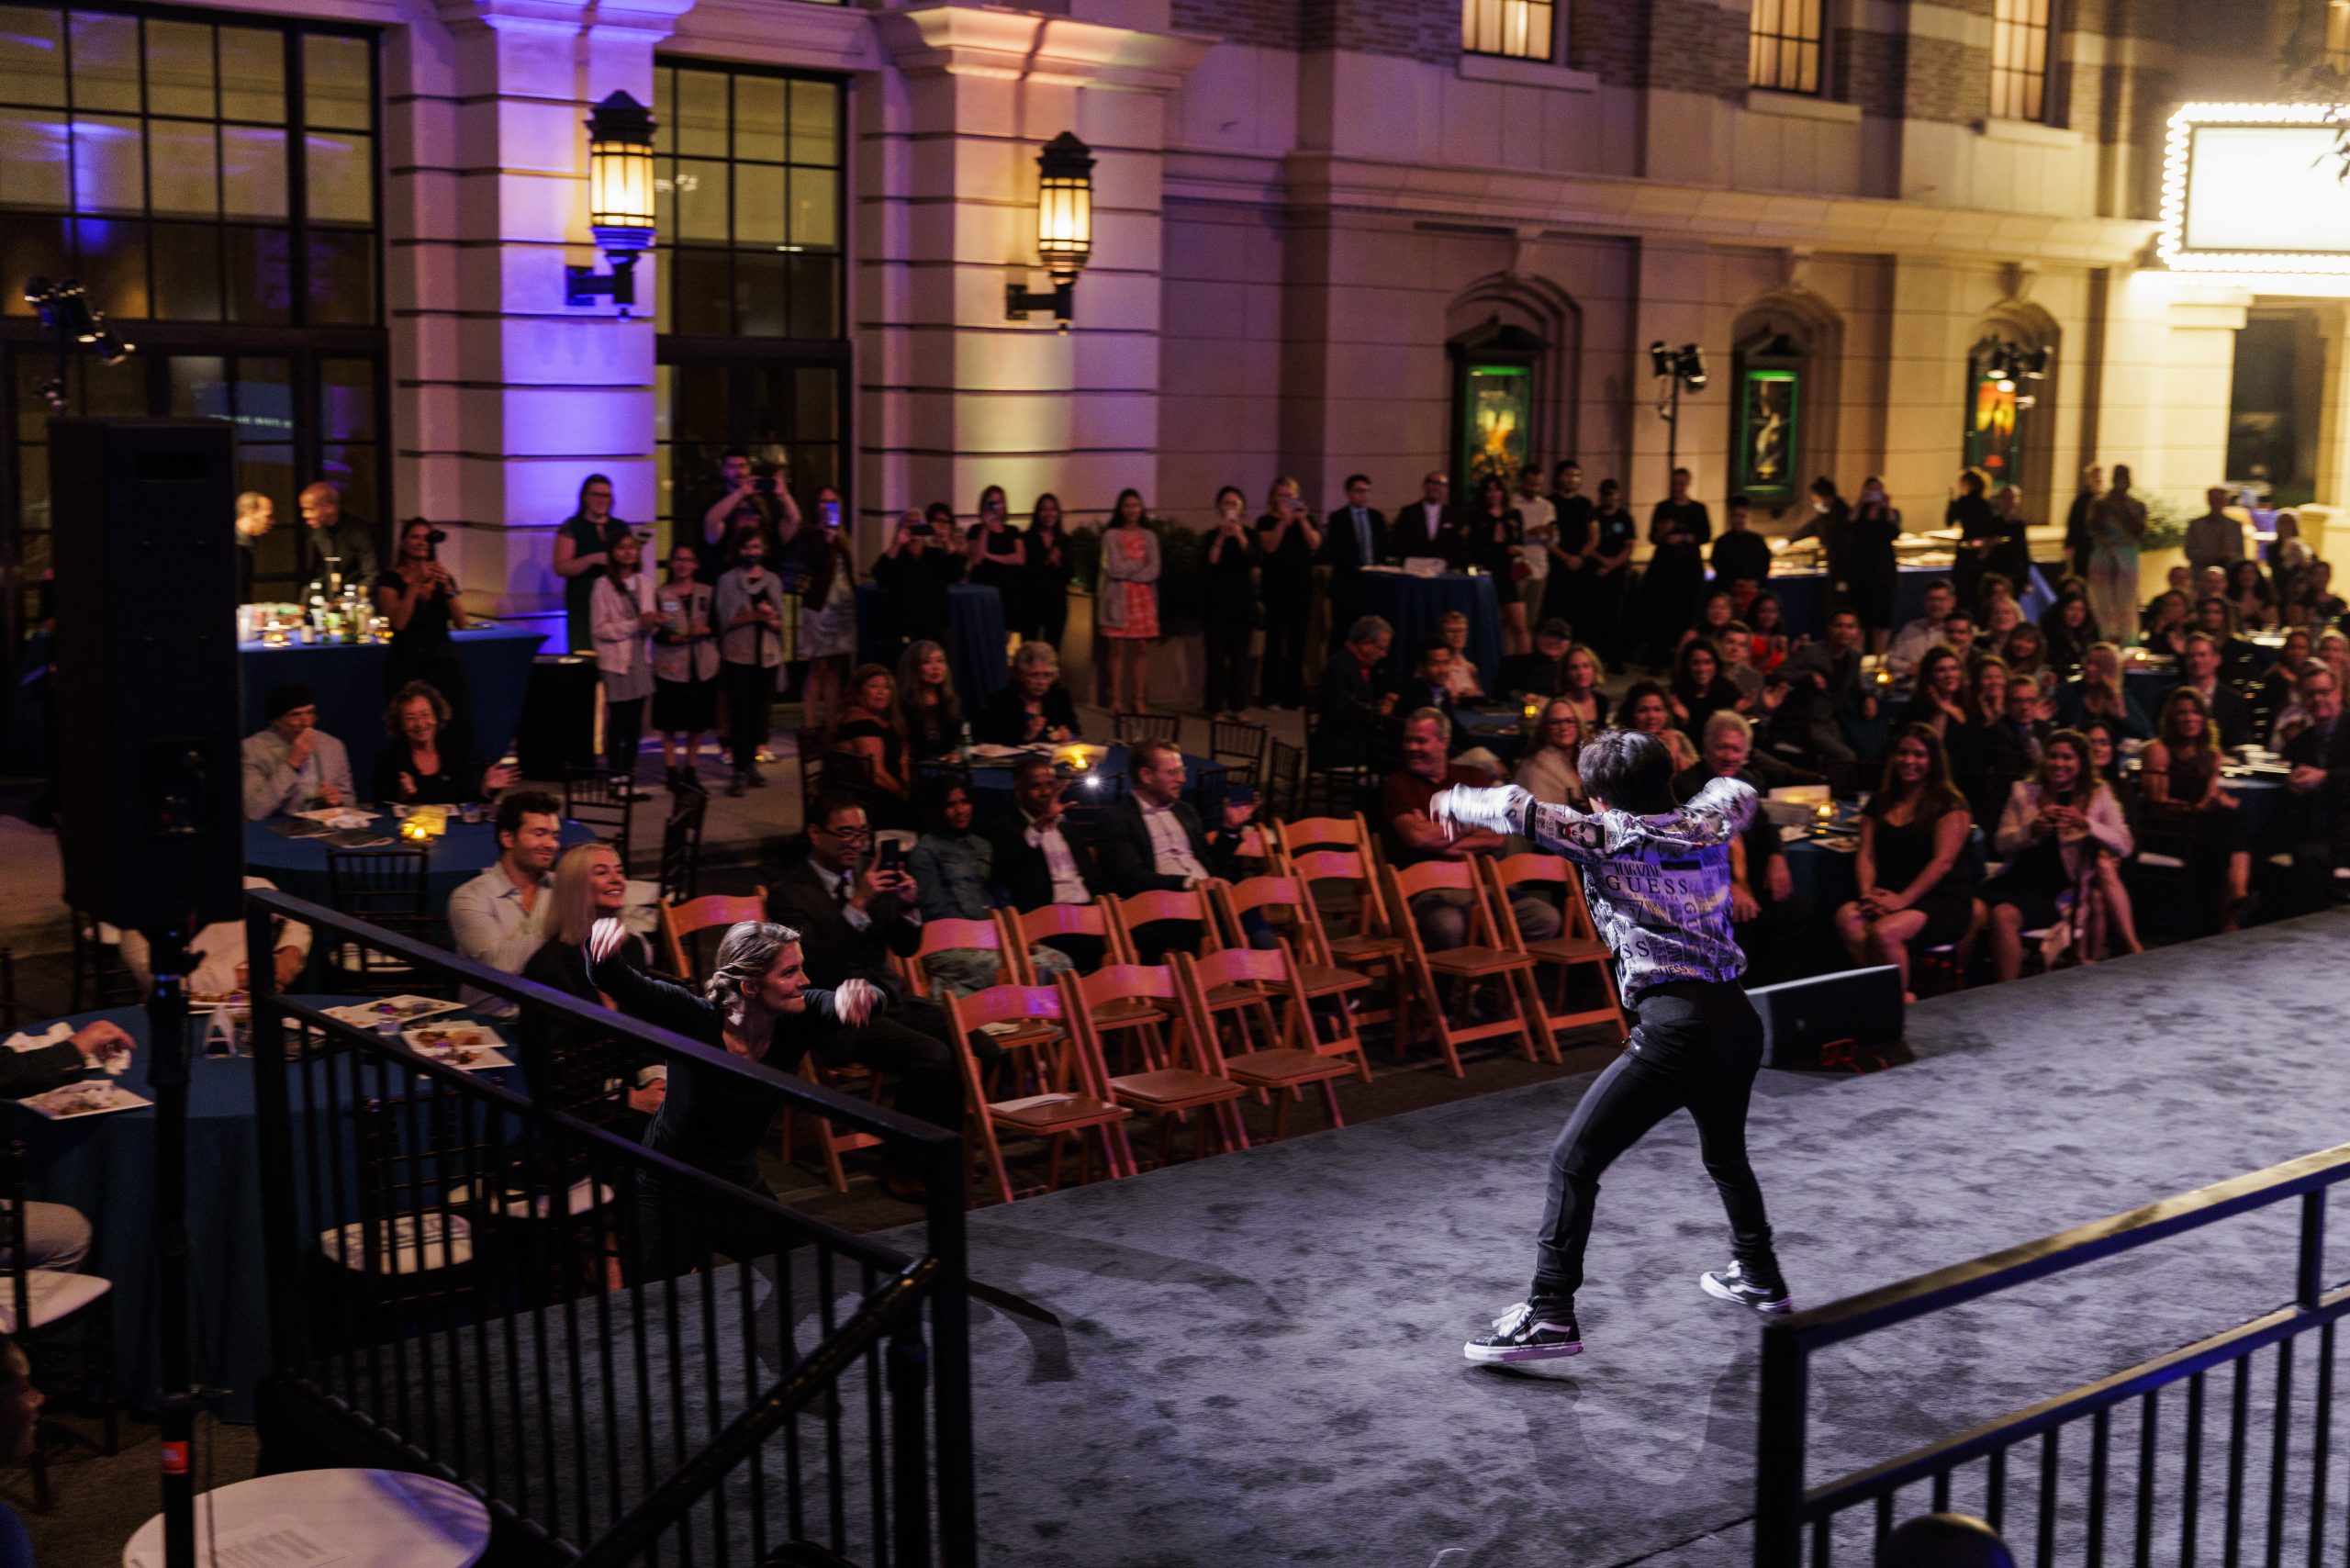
column 757, row 1003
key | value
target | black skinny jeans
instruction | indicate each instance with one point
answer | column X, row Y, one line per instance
column 623, row 733
column 750, row 700
column 1288, row 606
column 1228, row 649
column 1695, row 1047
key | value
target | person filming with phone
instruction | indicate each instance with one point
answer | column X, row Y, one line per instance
column 914, row 572
column 422, row 602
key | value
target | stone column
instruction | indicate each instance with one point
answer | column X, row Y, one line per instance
column 504, row 396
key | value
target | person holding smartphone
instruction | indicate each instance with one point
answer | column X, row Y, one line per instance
column 827, row 608
column 420, row 597
column 914, row 572
column 750, row 650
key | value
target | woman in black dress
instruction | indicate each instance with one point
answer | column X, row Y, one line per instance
column 582, row 1071
column 928, row 714
column 868, row 735
column 418, row 597
column 1496, row 541
column 1867, row 569
column 1913, row 886
column 1700, row 690
column 2187, row 806
column 999, row 555
column 1978, row 535
column 756, row 1004
column 427, row 763
column 1043, row 590
column 1230, row 611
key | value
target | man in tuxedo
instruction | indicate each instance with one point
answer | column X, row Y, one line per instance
column 1427, row 527
column 1355, row 536
column 1036, row 862
column 1151, row 839
column 2231, row 714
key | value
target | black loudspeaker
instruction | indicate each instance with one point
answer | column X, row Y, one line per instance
column 150, row 821
column 558, row 727
column 1861, row 1008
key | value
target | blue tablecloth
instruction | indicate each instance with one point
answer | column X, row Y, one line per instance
column 1803, row 597
column 1413, row 606
column 105, row 1166
column 298, row 866
column 349, row 679
column 974, row 637
column 1823, row 877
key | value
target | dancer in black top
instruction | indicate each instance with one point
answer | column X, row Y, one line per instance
column 1658, row 878
column 756, row 1004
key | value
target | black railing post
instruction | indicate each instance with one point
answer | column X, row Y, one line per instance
column 910, row 1447
column 2311, row 1283
column 280, row 1254
column 167, row 1075
column 956, row 1481
column 1779, row 1437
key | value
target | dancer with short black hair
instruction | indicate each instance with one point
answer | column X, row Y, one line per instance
column 1657, row 876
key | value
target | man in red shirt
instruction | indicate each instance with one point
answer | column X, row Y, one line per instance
column 1442, row 914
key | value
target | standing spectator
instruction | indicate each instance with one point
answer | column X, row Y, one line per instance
column 1496, row 540
column 928, row 715
column 1036, row 863
column 256, row 515
column 1354, row 696
column 1032, row 705
column 427, row 763
column 1150, row 838
column 915, row 573
column 1678, row 531
column 2319, row 755
column 2116, row 523
column 1287, row 542
column 1570, row 548
column 1231, row 608
column 1045, row 580
column 1548, row 772
column 2067, row 628
column 869, row 731
column 1868, row 570
column 582, row 550
column 1442, row 914
column 2010, row 557
column 1645, row 707
column 1356, row 538
column 1741, row 557
column 1970, row 513
column 341, row 553
column 293, row 766
column 1126, row 611
column 500, row 917
column 1916, row 637
column 1427, row 528
column 999, row 555
column 2179, row 773
column 1913, row 889
column 769, row 502
column 2215, row 539
column 1607, row 576
column 622, row 614
column 952, row 866
column 751, row 607
column 1539, row 526
column 2079, row 540
column 421, row 601
column 2061, row 831
column 684, row 666
column 827, row 608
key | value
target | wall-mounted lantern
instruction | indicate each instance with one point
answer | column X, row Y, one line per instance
column 1064, row 227
column 620, row 200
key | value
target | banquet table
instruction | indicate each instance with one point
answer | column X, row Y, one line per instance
column 349, row 679
column 1494, row 729
column 105, row 1166
column 1803, row 596
column 974, row 637
column 1413, row 606
column 298, row 866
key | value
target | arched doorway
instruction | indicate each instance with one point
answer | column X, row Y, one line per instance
column 1785, row 350
column 1513, row 344
column 2008, row 432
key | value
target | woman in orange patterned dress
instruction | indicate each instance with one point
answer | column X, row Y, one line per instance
column 1127, row 609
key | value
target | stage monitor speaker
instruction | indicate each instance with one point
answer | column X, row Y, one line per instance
column 558, row 728
column 1862, row 1006
column 151, row 820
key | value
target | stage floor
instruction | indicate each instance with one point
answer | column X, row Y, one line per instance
column 1260, row 1358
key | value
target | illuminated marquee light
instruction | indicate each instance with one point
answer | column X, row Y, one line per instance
column 2305, row 190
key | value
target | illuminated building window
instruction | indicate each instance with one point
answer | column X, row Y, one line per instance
column 2337, row 35
column 1519, row 30
column 1782, row 46
column 2019, row 32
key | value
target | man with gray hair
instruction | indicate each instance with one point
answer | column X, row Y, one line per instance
column 1774, row 927
column 1355, row 696
column 1442, row 914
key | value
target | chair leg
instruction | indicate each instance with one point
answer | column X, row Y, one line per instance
column 1330, row 1101
column 105, row 1357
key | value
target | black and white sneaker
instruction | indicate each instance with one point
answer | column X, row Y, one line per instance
column 1530, row 1331
column 1734, row 1284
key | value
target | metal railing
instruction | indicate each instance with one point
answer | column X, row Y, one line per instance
column 628, row 1360
column 2074, row 1502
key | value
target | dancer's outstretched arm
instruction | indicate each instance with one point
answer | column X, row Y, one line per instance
column 1714, row 815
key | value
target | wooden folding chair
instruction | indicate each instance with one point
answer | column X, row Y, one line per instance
column 1576, row 945
column 1162, row 904
column 1294, row 836
column 1031, row 928
column 680, row 921
column 1292, row 1054
column 1289, row 911
column 938, row 935
column 1483, row 958
column 1069, row 1098
column 1371, row 947
column 1174, row 1079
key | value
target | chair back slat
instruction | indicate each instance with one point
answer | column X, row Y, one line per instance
column 937, row 936
column 680, row 922
column 681, row 874
column 1004, row 1005
column 1119, row 982
column 1431, row 875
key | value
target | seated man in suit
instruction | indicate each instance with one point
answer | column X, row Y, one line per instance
column 2199, row 664
column 1035, row 861
column 1354, row 696
column 1543, row 672
column 2320, row 781
column 1150, row 838
column 851, row 917
column 293, row 766
column 1355, row 537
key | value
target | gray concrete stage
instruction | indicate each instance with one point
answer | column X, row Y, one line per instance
column 1261, row 1360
